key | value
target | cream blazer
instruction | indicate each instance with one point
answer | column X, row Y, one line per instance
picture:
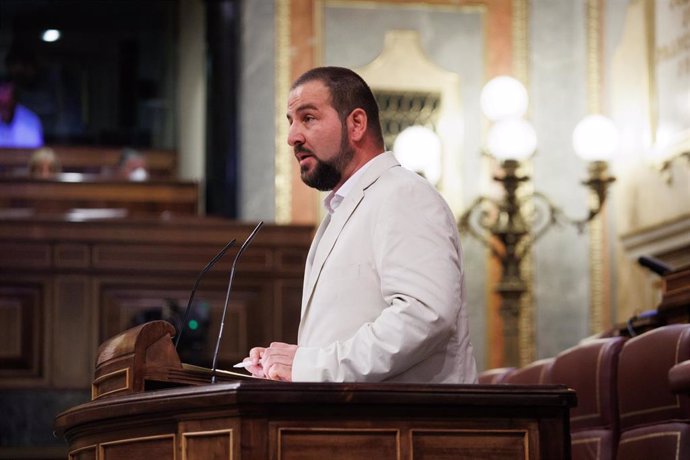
column 383, row 296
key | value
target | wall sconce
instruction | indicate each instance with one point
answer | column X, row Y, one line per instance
column 511, row 225
column 672, row 144
column 665, row 166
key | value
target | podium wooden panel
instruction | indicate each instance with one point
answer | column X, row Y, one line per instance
column 261, row 420
column 67, row 285
column 254, row 419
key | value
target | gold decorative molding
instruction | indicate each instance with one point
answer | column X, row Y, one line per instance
column 126, row 380
column 102, row 447
column 598, row 266
column 528, row 346
column 526, row 339
column 82, row 452
column 209, row 433
column 299, row 45
column 650, row 25
column 593, row 24
column 283, row 179
column 520, row 28
column 598, row 261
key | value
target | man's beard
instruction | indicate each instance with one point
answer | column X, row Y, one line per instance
column 327, row 174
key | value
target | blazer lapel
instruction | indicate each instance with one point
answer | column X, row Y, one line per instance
column 312, row 250
column 330, row 232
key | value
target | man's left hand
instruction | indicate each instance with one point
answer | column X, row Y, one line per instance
column 277, row 361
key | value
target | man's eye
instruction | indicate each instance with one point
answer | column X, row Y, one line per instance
column 308, row 118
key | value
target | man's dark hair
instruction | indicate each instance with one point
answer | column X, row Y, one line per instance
column 348, row 92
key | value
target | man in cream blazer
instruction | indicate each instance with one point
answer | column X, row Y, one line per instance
column 383, row 296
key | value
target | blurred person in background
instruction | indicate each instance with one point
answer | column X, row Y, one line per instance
column 44, row 164
column 19, row 126
column 132, row 166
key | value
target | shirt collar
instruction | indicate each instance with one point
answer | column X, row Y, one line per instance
column 335, row 198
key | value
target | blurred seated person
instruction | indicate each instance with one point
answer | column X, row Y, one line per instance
column 44, row 164
column 19, row 126
column 132, row 166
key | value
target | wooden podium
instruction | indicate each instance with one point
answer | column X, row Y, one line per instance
column 259, row 420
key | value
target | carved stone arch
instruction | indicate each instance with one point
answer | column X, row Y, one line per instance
column 413, row 90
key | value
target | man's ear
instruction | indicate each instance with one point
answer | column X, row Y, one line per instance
column 357, row 124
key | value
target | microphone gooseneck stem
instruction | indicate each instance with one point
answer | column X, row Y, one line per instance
column 222, row 325
column 227, row 298
column 208, row 266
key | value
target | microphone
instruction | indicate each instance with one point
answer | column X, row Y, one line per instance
column 655, row 265
column 227, row 296
column 208, row 266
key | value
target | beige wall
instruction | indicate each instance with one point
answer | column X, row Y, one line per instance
column 652, row 206
column 191, row 90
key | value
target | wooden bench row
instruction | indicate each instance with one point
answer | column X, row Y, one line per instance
column 90, row 160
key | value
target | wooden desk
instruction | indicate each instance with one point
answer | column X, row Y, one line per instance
column 255, row 419
column 134, row 198
column 260, row 420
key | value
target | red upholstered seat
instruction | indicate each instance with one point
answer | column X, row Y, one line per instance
column 590, row 368
column 679, row 377
column 535, row 373
column 495, row 375
column 655, row 421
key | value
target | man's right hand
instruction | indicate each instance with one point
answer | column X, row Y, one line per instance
column 255, row 367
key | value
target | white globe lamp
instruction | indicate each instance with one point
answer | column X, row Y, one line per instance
column 595, row 138
column 418, row 149
column 511, row 139
column 504, row 97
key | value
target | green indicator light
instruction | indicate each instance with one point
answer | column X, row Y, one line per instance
column 194, row 325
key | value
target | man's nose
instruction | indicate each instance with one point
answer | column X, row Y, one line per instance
column 295, row 135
